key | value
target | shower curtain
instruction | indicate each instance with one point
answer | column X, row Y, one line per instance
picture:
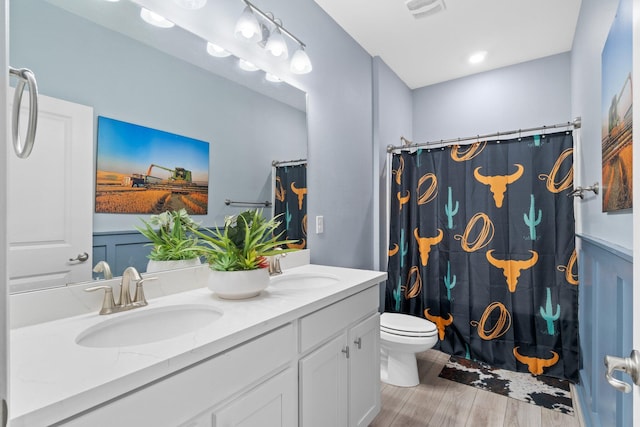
column 291, row 203
column 482, row 244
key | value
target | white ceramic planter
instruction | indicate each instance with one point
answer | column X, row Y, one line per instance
column 238, row 284
column 153, row 266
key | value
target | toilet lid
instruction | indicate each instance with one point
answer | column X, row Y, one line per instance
column 407, row 325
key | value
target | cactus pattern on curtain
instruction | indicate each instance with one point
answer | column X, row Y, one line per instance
column 291, row 203
column 482, row 243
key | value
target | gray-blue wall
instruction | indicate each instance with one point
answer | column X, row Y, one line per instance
column 530, row 94
column 340, row 134
column 596, row 17
column 392, row 118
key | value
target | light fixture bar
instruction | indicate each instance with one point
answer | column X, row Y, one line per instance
column 272, row 20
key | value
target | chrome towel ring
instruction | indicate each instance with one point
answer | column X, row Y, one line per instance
column 25, row 78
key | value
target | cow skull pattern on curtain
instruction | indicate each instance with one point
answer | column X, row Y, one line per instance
column 482, row 244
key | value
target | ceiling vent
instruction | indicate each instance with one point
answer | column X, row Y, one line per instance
column 424, row 8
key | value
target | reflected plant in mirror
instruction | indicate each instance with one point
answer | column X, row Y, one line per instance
column 173, row 239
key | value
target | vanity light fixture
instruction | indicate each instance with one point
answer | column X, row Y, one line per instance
column 215, row 50
column 246, row 65
column 478, row 57
column 155, row 19
column 269, row 33
column 191, row 4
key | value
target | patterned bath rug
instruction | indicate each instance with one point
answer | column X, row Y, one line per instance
column 551, row 393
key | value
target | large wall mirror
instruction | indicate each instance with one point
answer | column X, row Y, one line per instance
column 101, row 54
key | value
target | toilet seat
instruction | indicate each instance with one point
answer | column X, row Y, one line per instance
column 406, row 325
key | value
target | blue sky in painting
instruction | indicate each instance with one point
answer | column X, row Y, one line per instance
column 617, row 56
column 128, row 148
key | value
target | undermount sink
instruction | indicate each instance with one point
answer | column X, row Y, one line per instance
column 148, row 325
column 303, row 281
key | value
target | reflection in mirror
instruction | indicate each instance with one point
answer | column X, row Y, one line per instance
column 165, row 80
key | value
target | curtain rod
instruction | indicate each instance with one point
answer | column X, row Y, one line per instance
column 577, row 122
column 288, row 162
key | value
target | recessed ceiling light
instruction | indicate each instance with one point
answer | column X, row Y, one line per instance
column 155, row 19
column 478, row 57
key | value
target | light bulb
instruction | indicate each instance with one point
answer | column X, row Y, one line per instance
column 155, row 19
column 248, row 27
column 300, row 62
column 276, row 45
column 217, row 51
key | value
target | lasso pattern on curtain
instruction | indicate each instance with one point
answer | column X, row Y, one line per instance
column 291, row 203
column 482, row 243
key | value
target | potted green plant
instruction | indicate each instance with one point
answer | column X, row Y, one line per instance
column 174, row 245
column 237, row 253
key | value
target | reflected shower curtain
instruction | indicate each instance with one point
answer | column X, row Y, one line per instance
column 291, row 203
column 482, row 244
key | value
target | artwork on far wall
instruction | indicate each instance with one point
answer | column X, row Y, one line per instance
column 147, row 171
column 617, row 109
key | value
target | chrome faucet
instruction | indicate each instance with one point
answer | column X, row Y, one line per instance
column 103, row 267
column 125, row 302
column 274, row 264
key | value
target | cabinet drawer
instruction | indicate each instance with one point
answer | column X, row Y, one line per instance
column 177, row 398
column 326, row 322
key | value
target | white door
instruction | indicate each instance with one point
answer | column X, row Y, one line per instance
column 50, row 200
column 4, row 276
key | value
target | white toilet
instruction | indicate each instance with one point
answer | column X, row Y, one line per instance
column 401, row 337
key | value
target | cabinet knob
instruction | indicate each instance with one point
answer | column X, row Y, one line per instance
column 358, row 342
column 346, row 351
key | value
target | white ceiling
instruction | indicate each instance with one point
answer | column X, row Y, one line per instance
column 436, row 48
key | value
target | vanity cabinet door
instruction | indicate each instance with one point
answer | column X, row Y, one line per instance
column 364, row 371
column 271, row 404
column 323, row 385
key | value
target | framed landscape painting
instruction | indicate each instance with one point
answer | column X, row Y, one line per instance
column 617, row 112
column 147, row 171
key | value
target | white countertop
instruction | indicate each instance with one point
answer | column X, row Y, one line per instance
column 53, row 378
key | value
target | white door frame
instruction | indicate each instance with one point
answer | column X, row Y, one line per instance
column 4, row 296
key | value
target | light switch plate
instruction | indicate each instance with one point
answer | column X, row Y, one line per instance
column 319, row 224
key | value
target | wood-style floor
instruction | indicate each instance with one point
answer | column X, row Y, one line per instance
column 439, row 402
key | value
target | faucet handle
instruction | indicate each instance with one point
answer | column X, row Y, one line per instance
column 139, row 298
column 108, row 302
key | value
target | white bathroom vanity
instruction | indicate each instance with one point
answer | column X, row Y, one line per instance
column 304, row 352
